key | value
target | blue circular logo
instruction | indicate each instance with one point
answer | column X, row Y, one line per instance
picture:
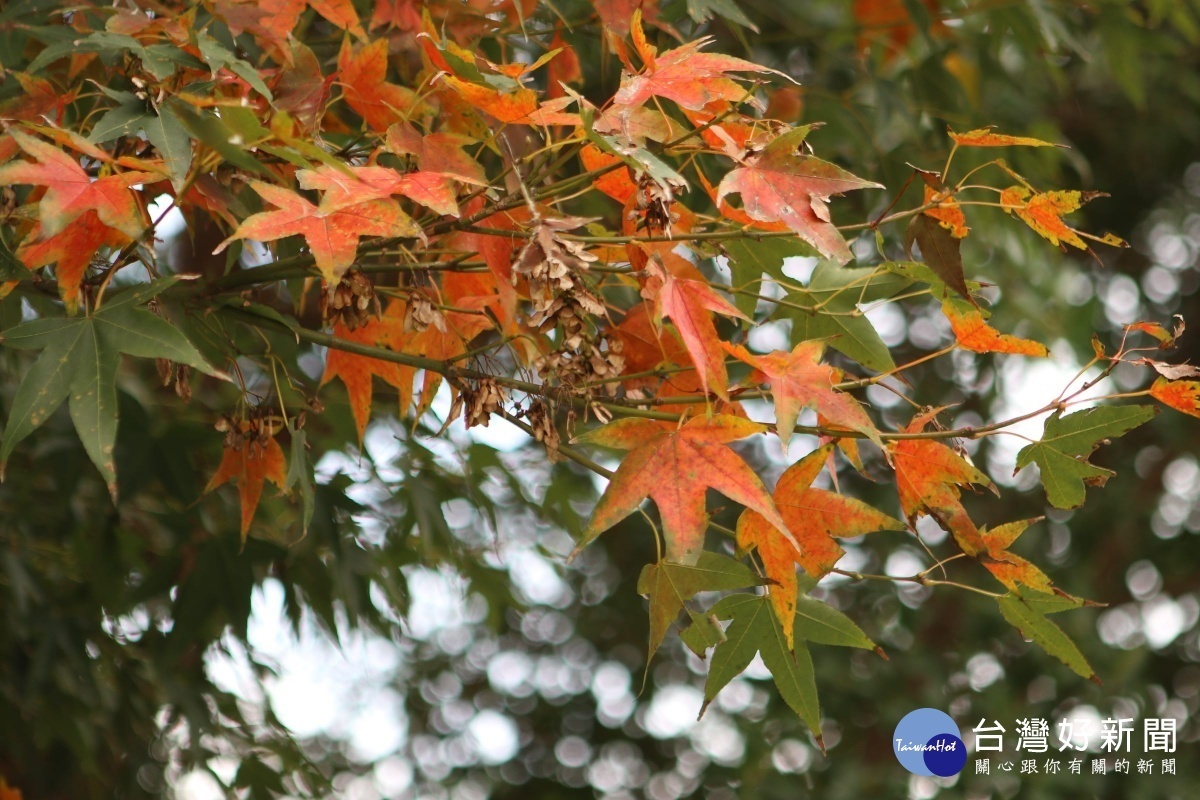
column 927, row 742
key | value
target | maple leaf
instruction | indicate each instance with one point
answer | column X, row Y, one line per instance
column 615, row 183
column 518, row 107
column 799, row 380
column 342, row 190
column 1043, row 211
column 816, row 519
column 440, row 152
column 250, row 465
column 1026, row 610
column 687, row 303
column 756, row 630
column 71, row 192
column 1067, row 441
column 356, row 371
column 684, row 75
column 780, row 185
column 1007, row 568
column 973, row 332
column 331, row 235
column 79, row 362
column 71, row 251
column 362, row 74
column 983, row 137
column 928, row 476
column 1166, row 338
column 942, row 253
column 1180, row 395
column 947, row 212
column 668, row 586
column 340, row 13
column 673, row 467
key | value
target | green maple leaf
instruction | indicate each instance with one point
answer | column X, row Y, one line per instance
column 79, row 361
column 755, row 629
column 1066, row 443
column 669, row 585
column 1027, row 612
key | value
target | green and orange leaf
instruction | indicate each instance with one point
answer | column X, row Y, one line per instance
column 1044, row 211
column 973, row 333
column 1182, row 396
column 947, row 212
column 984, row 137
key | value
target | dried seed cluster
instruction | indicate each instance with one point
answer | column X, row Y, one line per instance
column 352, row 302
column 254, row 430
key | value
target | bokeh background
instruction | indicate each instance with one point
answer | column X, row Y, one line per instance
column 427, row 639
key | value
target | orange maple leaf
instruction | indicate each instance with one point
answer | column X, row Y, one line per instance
column 362, row 74
column 518, row 107
column 983, row 137
column 684, row 75
column 331, row 235
column 1007, row 568
column 687, row 303
column 71, row 251
column 779, row 185
column 615, row 183
column 928, row 476
column 973, row 332
column 250, row 466
column 1180, row 395
column 7, row 792
column 356, row 371
column 799, row 380
column 816, row 518
column 674, row 466
column 430, row 189
column 340, row 13
column 71, row 192
column 439, row 152
column 947, row 212
column 1043, row 211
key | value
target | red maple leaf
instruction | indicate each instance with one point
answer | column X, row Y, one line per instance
column 71, row 250
column 356, row 371
column 687, row 302
column 432, row 190
column 928, row 475
column 518, row 107
column 781, row 185
column 684, row 75
column 71, row 192
column 363, row 77
column 675, row 466
column 799, row 380
column 331, row 235
column 250, row 465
